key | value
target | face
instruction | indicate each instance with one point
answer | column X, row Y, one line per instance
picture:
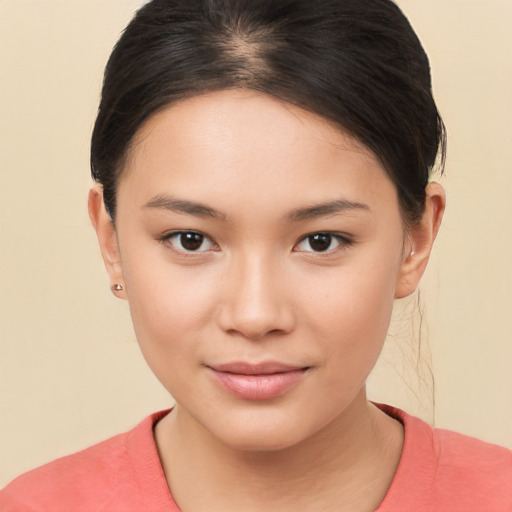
column 261, row 250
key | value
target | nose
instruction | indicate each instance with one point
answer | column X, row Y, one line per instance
column 256, row 300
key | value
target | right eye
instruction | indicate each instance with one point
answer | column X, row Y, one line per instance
column 189, row 242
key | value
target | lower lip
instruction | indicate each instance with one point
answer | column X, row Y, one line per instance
column 258, row 387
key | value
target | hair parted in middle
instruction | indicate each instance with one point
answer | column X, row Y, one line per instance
column 357, row 63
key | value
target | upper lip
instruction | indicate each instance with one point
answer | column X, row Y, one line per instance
column 266, row 368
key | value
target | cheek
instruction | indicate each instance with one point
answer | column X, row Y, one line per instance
column 342, row 313
column 351, row 309
column 169, row 305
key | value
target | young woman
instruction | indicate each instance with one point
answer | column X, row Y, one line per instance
column 263, row 197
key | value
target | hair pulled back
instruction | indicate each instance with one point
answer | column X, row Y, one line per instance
column 355, row 62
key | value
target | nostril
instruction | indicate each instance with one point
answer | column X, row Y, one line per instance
column 256, row 332
column 254, row 304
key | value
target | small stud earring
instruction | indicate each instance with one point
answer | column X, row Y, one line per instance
column 117, row 288
column 412, row 253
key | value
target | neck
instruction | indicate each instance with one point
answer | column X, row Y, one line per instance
column 349, row 465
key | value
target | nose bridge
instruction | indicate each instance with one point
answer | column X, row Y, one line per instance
column 256, row 301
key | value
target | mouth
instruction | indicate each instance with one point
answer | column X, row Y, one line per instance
column 263, row 381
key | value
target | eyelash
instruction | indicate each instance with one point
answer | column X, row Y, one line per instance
column 167, row 239
column 342, row 240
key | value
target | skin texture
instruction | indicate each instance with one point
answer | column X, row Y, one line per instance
column 257, row 292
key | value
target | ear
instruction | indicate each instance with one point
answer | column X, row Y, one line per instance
column 420, row 241
column 105, row 230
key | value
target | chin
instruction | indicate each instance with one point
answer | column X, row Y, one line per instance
column 259, row 429
column 260, row 441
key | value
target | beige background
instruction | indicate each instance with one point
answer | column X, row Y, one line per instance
column 70, row 370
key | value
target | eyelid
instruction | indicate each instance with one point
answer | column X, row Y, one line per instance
column 345, row 241
column 166, row 239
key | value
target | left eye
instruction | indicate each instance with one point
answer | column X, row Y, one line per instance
column 320, row 242
column 189, row 241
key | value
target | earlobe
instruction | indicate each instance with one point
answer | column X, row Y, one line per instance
column 421, row 239
column 105, row 231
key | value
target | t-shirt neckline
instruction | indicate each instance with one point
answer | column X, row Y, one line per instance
column 415, row 459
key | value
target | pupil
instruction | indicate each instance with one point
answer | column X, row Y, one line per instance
column 191, row 241
column 320, row 242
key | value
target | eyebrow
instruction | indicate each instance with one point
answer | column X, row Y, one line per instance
column 297, row 215
column 323, row 209
column 184, row 206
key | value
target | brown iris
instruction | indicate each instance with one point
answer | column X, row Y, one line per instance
column 320, row 242
column 191, row 241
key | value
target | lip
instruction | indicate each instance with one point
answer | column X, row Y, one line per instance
column 262, row 381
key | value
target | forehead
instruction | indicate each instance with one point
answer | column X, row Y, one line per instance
column 243, row 146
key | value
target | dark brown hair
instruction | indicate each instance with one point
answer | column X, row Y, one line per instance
column 355, row 62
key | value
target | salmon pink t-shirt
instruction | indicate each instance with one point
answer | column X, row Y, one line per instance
column 439, row 471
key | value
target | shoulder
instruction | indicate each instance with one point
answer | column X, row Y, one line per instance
column 477, row 468
column 82, row 477
column 91, row 479
column 442, row 470
column 459, row 450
